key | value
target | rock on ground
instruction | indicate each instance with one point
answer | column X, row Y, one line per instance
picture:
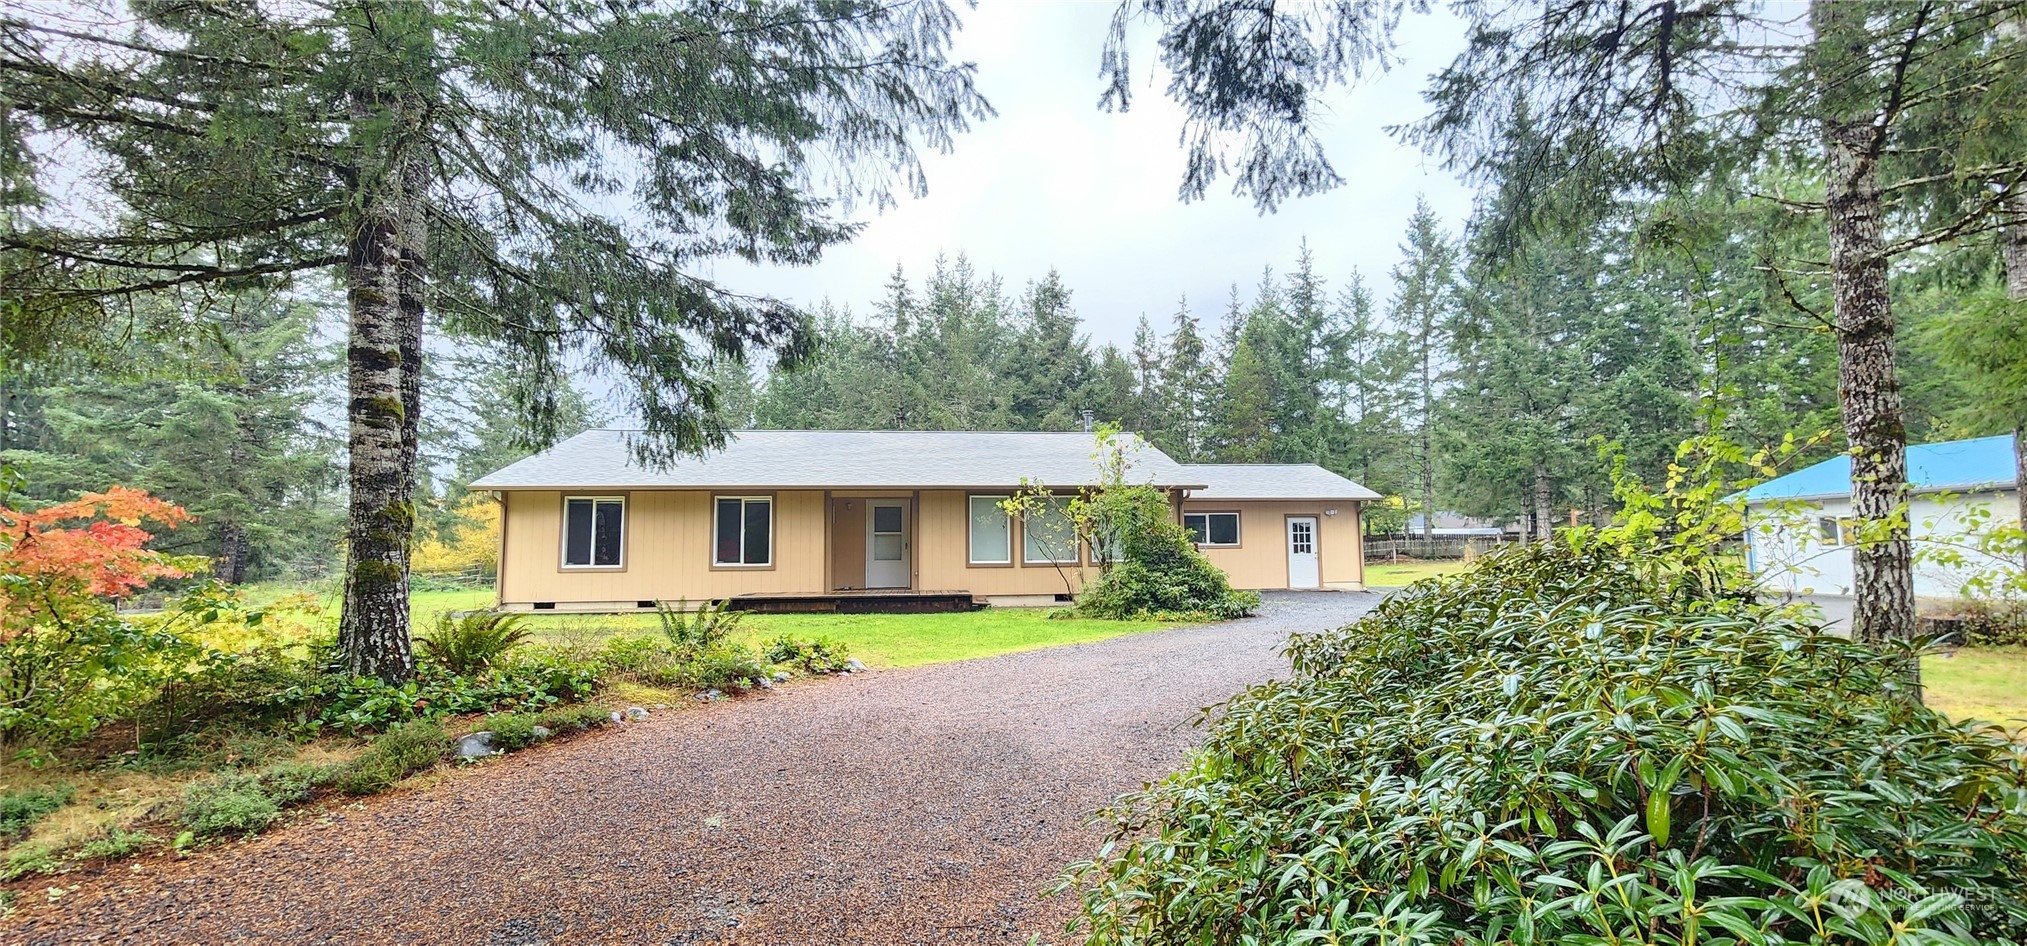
column 927, row 805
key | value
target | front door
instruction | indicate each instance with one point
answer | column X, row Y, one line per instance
column 1303, row 571
column 887, row 544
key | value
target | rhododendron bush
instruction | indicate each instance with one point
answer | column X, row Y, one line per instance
column 66, row 657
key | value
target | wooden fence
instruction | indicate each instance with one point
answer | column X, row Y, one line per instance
column 1442, row 548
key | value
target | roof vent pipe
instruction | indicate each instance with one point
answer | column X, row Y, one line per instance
column 1089, row 418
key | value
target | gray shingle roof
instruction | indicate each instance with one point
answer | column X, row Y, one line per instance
column 1235, row 481
column 838, row 459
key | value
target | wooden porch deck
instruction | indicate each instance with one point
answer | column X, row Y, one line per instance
column 860, row 601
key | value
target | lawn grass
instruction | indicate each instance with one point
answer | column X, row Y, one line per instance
column 1988, row 683
column 1383, row 575
column 880, row 640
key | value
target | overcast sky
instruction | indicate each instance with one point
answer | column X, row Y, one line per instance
column 1052, row 181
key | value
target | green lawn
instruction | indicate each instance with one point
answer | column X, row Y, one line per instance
column 1407, row 573
column 881, row 640
column 1988, row 683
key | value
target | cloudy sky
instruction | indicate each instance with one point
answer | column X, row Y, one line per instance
column 1052, row 181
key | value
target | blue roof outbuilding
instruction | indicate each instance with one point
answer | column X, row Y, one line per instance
column 1957, row 465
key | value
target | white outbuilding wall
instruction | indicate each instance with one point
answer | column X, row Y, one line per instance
column 1793, row 550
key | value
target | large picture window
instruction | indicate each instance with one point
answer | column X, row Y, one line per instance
column 744, row 531
column 991, row 532
column 594, row 532
column 1212, row 528
column 1047, row 537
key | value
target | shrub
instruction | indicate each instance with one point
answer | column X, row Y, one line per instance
column 724, row 666
column 116, row 843
column 27, row 859
column 228, row 806
column 1550, row 748
column 513, row 731
column 473, row 643
column 817, row 655
column 1156, row 572
column 247, row 802
column 534, row 680
column 394, row 755
column 1994, row 622
column 67, row 661
column 20, row 810
column 700, row 629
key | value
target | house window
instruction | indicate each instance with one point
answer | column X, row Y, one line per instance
column 1830, row 530
column 594, row 531
column 991, row 532
column 1212, row 528
column 744, row 531
column 1047, row 537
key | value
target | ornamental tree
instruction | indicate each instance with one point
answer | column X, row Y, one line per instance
column 59, row 563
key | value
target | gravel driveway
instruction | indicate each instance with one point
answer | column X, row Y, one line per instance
column 906, row 806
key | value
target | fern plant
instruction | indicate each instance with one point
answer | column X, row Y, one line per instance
column 473, row 642
column 697, row 630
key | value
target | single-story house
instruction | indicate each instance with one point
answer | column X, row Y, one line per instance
column 585, row 527
column 1799, row 527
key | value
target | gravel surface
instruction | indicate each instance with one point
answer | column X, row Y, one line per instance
column 927, row 805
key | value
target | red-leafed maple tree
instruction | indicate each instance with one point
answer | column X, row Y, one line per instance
column 62, row 560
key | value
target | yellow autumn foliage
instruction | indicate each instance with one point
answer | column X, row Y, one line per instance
column 474, row 542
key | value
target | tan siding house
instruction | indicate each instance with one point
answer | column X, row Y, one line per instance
column 585, row 528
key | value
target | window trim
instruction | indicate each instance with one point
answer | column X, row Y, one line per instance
column 969, row 562
column 711, row 535
column 1076, row 547
column 563, row 531
column 1238, row 527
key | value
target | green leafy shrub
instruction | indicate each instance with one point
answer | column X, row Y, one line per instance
column 247, row 802
column 533, row 680
column 21, row 809
column 228, row 806
column 401, row 751
column 817, row 655
column 512, row 731
column 699, row 629
column 28, row 859
column 1992, row 622
column 1155, row 570
column 116, row 843
column 473, row 643
column 724, row 666
column 1552, row 748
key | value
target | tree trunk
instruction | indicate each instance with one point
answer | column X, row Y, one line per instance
column 232, row 549
column 1867, row 383
column 1544, row 504
column 2015, row 252
column 1428, row 452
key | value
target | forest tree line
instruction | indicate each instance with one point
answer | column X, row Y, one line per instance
column 1482, row 382
column 1473, row 381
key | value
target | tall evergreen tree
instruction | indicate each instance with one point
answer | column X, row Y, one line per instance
column 454, row 157
column 1424, row 288
column 1186, row 387
column 1048, row 366
column 228, row 431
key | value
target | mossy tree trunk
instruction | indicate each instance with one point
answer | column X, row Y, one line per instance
column 386, row 272
column 1883, row 556
column 2014, row 250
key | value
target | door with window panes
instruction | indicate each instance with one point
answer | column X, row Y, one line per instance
column 887, row 544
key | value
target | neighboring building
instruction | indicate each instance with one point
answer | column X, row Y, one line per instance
column 1799, row 526
column 586, row 528
column 1450, row 525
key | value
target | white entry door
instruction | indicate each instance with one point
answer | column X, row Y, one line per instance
column 887, row 544
column 1303, row 570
